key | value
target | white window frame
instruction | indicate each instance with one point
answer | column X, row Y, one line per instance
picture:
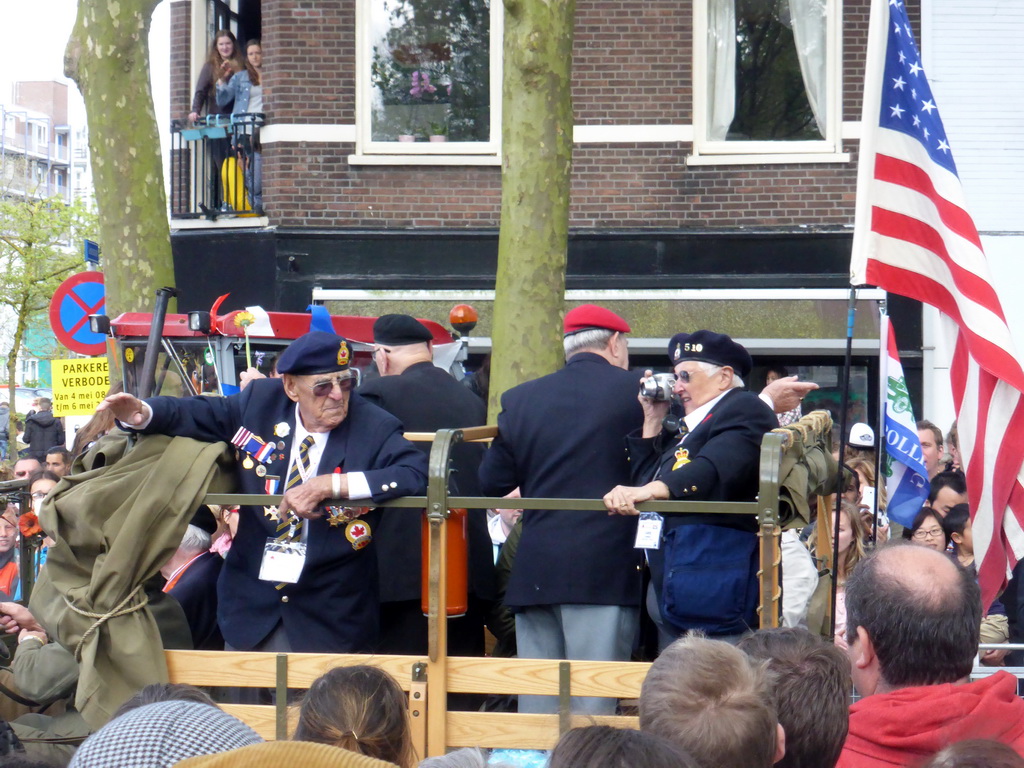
column 423, row 152
column 708, row 152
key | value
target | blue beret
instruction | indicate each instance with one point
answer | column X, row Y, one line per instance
column 399, row 330
column 710, row 347
column 315, row 352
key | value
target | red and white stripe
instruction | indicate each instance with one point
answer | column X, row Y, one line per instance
column 913, row 236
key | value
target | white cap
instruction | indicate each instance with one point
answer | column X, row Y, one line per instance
column 862, row 436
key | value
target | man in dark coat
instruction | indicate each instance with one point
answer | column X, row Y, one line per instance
column 309, row 432
column 42, row 431
column 425, row 399
column 704, row 573
column 575, row 583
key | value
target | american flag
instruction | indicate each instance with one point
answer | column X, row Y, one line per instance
column 913, row 236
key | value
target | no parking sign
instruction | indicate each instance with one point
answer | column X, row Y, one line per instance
column 78, row 297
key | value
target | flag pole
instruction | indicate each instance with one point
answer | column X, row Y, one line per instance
column 844, row 401
column 883, row 390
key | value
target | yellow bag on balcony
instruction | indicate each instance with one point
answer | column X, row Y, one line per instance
column 233, row 183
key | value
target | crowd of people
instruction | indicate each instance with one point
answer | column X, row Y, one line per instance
column 328, row 571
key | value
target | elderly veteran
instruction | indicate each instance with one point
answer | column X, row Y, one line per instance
column 703, row 566
column 300, row 577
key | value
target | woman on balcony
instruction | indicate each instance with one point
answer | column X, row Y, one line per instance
column 244, row 89
column 224, row 57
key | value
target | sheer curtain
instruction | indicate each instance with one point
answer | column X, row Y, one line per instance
column 721, row 83
column 810, row 32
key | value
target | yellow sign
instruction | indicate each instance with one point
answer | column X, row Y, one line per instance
column 79, row 385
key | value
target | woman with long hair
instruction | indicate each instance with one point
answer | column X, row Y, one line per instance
column 224, row 57
column 244, row 89
column 361, row 709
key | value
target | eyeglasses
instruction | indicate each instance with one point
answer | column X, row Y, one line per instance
column 685, row 376
column 346, row 383
column 39, row 495
column 931, row 533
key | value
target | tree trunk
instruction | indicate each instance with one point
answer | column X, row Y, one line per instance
column 108, row 57
column 537, row 123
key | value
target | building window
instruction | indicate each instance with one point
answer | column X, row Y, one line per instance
column 429, row 76
column 767, row 77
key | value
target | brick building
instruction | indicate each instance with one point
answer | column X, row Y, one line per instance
column 740, row 205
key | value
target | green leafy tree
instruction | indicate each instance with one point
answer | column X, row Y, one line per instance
column 108, row 57
column 39, row 247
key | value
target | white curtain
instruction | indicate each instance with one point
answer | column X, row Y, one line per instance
column 721, row 83
column 810, row 33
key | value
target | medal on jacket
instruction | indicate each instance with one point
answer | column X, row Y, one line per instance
column 253, row 445
column 682, row 458
column 358, row 532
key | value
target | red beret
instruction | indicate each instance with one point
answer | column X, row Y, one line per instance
column 590, row 316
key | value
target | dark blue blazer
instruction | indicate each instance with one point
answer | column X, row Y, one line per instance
column 724, row 458
column 425, row 399
column 333, row 607
column 563, row 436
column 196, row 592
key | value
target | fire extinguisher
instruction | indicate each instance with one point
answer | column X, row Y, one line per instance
column 457, row 597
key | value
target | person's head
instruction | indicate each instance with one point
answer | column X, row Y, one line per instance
column 852, row 534
column 953, row 445
column 39, row 484
column 509, row 515
column 163, row 734
column 223, row 48
column 604, row 746
column 926, row 530
column 316, row 375
column 400, row 341
column 947, row 489
column 25, row 467
column 8, row 529
column 155, row 692
column 810, row 686
column 254, row 60
column 589, row 328
column 775, row 373
column 913, row 618
column 708, row 698
column 861, row 437
column 58, row 460
column 45, row 403
column 359, row 708
column 706, row 365
column 957, row 527
column 976, row 753
column 931, row 445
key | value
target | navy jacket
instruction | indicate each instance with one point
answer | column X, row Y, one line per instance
column 425, row 399
column 723, row 457
column 333, row 607
column 563, row 436
column 196, row 591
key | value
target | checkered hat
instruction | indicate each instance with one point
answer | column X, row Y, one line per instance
column 161, row 735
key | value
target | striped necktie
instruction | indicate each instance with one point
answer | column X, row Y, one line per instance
column 299, row 468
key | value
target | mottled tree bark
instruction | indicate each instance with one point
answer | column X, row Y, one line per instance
column 537, row 122
column 108, row 57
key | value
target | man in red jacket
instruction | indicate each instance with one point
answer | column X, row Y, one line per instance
column 913, row 620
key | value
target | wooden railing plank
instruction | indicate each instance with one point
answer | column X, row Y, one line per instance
column 614, row 679
column 503, row 730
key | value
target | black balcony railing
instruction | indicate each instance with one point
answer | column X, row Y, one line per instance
column 212, row 166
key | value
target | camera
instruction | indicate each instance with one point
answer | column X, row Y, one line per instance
column 658, row 387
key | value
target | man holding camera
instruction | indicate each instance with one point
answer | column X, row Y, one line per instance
column 703, row 566
column 575, row 583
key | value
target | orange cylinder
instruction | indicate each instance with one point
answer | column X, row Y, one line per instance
column 457, row 597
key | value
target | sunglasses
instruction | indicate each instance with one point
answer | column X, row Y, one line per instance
column 346, row 383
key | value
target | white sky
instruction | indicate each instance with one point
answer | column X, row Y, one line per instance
column 32, row 40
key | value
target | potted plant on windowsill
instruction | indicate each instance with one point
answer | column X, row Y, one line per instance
column 438, row 132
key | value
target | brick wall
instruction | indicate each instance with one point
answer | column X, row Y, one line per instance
column 181, row 52
column 632, row 65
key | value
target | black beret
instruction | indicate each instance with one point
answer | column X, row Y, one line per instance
column 315, row 352
column 204, row 520
column 399, row 330
column 710, row 347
